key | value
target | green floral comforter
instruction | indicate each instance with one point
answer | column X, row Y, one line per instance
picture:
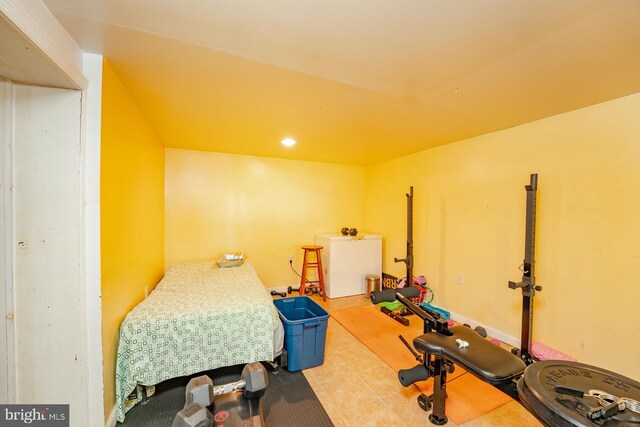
column 198, row 318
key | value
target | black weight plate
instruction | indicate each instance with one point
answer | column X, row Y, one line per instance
column 544, row 413
column 537, row 393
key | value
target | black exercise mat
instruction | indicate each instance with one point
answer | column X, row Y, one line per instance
column 288, row 402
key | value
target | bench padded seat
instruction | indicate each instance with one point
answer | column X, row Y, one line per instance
column 482, row 358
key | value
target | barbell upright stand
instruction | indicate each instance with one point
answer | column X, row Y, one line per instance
column 409, row 258
column 528, row 283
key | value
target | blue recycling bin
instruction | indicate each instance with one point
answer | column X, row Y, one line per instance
column 305, row 331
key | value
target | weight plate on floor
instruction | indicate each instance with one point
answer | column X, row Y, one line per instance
column 537, row 393
column 424, row 402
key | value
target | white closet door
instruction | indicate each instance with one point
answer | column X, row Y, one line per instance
column 49, row 251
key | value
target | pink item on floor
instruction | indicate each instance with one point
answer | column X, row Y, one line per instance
column 542, row 352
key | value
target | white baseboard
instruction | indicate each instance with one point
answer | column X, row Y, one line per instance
column 508, row 339
column 111, row 422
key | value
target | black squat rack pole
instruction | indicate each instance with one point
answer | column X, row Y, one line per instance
column 528, row 283
column 409, row 259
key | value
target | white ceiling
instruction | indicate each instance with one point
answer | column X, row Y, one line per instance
column 357, row 81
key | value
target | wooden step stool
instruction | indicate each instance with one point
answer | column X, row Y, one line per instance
column 308, row 263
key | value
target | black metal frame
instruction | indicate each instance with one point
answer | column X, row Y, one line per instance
column 528, row 283
column 435, row 366
column 409, row 258
column 433, row 322
column 438, row 366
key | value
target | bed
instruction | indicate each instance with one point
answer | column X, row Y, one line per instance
column 199, row 317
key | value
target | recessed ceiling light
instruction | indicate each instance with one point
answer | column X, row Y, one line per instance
column 288, row 142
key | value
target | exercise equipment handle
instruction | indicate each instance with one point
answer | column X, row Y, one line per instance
column 414, row 308
column 431, row 321
column 411, row 349
column 514, row 285
column 410, row 376
column 389, row 295
column 569, row 391
column 228, row 388
column 604, row 412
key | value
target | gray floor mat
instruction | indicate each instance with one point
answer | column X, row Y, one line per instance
column 288, row 402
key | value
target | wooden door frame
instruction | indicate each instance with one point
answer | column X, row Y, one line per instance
column 36, row 25
column 8, row 382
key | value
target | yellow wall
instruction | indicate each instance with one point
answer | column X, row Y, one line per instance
column 469, row 219
column 132, row 215
column 264, row 207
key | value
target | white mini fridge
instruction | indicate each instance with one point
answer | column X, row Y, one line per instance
column 346, row 261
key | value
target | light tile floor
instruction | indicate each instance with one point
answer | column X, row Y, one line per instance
column 357, row 388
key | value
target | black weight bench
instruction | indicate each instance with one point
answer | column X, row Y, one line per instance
column 482, row 358
column 440, row 347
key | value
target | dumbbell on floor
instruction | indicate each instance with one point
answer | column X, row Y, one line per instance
column 199, row 390
column 200, row 393
column 255, row 380
column 193, row 415
column 479, row 329
column 483, row 333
